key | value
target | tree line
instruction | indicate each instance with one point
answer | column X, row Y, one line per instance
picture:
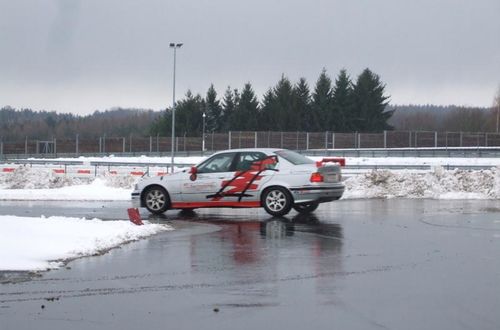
column 341, row 106
column 17, row 124
column 444, row 118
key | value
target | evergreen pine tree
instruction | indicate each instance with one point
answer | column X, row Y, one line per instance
column 247, row 110
column 322, row 103
column 284, row 116
column 370, row 104
column 163, row 124
column 213, row 111
column 188, row 115
column 266, row 118
column 228, row 108
column 302, row 104
column 341, row 118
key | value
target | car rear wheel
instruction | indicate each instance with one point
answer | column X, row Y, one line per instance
column 277, row 201
column 156, row 200
column 306, row 208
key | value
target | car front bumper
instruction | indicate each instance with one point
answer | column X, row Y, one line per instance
column 319, row 194
column 136, row 199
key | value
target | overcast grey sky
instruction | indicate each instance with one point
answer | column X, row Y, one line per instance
column 80, row 56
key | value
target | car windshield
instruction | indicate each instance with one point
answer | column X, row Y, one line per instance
column 293, row 157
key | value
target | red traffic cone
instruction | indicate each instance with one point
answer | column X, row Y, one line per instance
column 134, row 216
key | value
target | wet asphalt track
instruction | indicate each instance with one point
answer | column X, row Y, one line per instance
column 358, row 264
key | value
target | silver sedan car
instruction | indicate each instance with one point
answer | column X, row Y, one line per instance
column 276, row 179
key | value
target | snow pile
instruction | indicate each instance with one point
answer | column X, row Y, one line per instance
column 44, row 243
column 120, row 181
column 438, row 184
column 26, row 177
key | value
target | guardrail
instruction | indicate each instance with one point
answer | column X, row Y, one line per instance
column 84, row 169
column 469, row 152
column 95, row 168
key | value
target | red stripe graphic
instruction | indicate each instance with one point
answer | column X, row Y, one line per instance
column 194, row 205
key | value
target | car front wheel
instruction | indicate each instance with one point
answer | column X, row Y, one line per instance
column 277, row 201
column 306, row 208
column 156, row 200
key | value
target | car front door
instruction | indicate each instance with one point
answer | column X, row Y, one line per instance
column 208, row 179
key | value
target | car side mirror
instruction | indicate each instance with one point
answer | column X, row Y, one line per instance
column 193, row 171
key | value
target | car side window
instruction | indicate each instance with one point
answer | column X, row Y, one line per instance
column 246, row 159
column 217, row 163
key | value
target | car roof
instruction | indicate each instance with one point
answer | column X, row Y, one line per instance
column 264, row 150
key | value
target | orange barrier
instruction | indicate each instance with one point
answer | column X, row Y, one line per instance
column 136, row 173
column 59, row 171
column 83, row 171
column 8, row 169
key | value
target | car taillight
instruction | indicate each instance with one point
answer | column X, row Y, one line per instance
column 316, row 177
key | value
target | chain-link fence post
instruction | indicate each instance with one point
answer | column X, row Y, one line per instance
column 255, row 139
column 435, row 139
column 76, row 145
column 461, row 138
column 229, row 140
column 123, row 142
column 486, row 139
column 281, row 140
column 307, row 141
column 55, row 145
column 150, row 144
column 1, row 149
column 333, row 140
column 326, row 140
column 385, row 139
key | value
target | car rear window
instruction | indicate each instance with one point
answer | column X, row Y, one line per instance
column 293, row 157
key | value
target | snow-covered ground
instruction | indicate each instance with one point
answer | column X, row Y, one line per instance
column 45, row 243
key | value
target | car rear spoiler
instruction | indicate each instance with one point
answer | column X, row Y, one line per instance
column 338, row 160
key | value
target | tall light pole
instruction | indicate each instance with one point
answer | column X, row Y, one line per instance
column 203, row 135
column 174, row 46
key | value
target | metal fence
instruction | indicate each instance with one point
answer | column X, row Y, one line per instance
column 243, row 139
